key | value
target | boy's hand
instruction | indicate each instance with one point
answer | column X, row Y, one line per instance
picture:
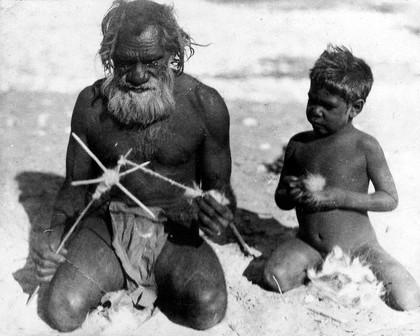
column 44, row 256
column 327, row 199
column 214, row 216
column 295, row 188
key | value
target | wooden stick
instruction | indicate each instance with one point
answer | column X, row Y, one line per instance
column 335, row 318
column 129, row 194
column 92, row 181
column 195, row 193
column 190, row 190
column 86, row 148
column 84, row 182
column 105, row 169
column 241, row 240
column 280, row 291
column 137, row 167
column 60, row 247
column 101, row 179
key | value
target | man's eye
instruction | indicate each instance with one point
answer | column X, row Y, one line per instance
column 152, row 64
column 120, row 65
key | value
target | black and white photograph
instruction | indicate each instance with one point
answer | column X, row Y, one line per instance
column 210, row 167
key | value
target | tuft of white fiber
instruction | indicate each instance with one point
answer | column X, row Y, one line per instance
column 218, row 196
column 314, row 182
column 111, row 177
column 121, row 318
column 347, row 281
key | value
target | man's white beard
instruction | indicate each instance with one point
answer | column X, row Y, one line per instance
column 155, row 103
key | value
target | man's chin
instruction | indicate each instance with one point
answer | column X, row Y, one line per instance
column 140, row 105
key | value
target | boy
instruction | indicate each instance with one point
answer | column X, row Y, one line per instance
column 348, row 159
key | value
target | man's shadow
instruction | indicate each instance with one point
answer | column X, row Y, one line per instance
column 37, row 196
column 264, row 234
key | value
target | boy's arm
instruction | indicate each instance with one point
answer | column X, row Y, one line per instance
column 384, row 198
column 289, row 184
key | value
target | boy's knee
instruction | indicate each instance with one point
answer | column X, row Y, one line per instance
column 403, row 295
column 65, row 312
column 279, row 279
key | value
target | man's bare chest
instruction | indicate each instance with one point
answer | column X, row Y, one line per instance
column 171, row 142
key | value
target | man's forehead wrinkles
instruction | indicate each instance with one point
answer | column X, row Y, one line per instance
column 145, row 45
column 139, row 51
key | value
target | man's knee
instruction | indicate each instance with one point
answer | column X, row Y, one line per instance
column 208, row 307
column 211, row 308
column 64, row 311
column 197, row 308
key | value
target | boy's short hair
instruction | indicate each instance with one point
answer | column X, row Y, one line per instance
column 341, row 73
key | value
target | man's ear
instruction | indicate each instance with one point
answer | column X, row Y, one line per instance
column 356, row 107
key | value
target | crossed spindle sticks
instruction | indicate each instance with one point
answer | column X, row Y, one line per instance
column 110, row 178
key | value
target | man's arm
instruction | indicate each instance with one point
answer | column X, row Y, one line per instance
column 70, row 199
column 214, row 162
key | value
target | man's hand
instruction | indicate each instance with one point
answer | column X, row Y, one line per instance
column 214, row 216
column 44, row 256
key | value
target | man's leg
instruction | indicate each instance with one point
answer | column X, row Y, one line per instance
column 288, row 265
column 91, row 270
column 191, row 284
column 402, row 291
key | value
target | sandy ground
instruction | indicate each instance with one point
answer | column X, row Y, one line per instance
column 258, row 59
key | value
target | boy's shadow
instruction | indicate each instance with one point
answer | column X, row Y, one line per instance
column 264, row 234
column 37, row 196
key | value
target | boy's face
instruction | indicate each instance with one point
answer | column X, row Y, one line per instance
column 327, row 113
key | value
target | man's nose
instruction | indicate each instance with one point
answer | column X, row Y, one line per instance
column 138, row 75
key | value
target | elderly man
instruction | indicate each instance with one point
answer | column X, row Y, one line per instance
column 147, row 104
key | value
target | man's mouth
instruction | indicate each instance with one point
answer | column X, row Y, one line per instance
column 137, row 89
column 124, row 85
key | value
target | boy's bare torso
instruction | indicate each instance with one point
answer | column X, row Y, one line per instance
column 340, row 159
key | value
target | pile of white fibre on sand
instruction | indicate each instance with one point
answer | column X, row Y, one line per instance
column 347, row 281
column 116, row 316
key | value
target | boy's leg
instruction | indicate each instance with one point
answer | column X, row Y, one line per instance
column 91, row 270
column 191, row 284
column 402, row 291
column 289, row 263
